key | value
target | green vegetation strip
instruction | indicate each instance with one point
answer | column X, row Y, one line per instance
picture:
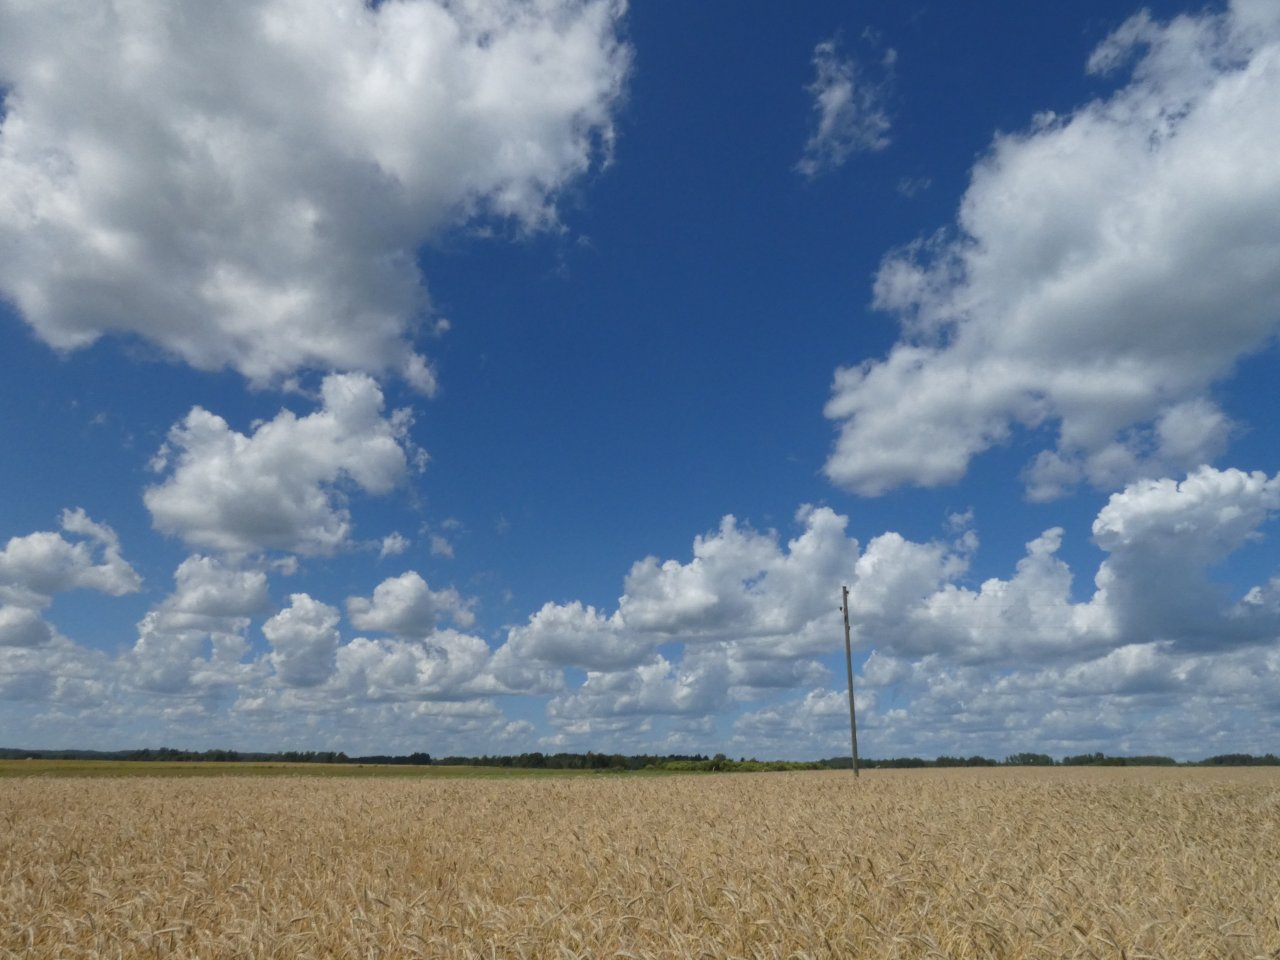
column 161, row 768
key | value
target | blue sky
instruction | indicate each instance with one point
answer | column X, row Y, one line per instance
column 495, row 377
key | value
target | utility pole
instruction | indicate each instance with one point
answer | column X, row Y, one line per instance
column 848, row 664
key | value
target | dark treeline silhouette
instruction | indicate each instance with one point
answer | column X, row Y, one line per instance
column 412, row 760
column 1242, row 760
column 574, row 761
column 207, row 756
column 623, row 762
column 909, row 763
column 1102, row 760
column 1029, row 760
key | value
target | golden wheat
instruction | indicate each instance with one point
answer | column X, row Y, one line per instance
column 904, row 864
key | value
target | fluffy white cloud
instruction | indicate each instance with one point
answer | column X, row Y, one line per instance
column 705, row 681
column 817, row 721
column 304, row 641
column 55, row 674
column 740, row 583
column 1021, row 663
column 752, row 676
column 193, row 643
column 35, row 567
column 746, row 610
column 740, row 586
column 23, row 627
column 573, row 634
column 1108, row 267
column 206, row 588
column 464, row 727
column 1163, row 539
column 407, row 606
column 1164, row 536
column 38, row 664
column 696, row 686
column 448, row 664
column 279, row 487
column 1137, row 699
column 1030, row 616
column 423, row 662
column 1015, row 662
column 851, row 117
column 953, row 668
column 245, row 185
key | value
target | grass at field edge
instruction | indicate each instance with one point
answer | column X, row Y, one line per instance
column 200, row 768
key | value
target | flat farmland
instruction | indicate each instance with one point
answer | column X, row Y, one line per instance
column 1006, row 863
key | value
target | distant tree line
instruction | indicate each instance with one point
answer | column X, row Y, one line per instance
column 722, row 764
column 908, row 763
column 208, row 756
column 572, row 761
column 624, row 762
column 1242, row 760
column 1102, row 760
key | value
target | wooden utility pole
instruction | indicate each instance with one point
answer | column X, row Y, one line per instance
column 848, row 664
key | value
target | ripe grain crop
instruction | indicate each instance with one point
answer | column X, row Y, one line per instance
column 1004, row 863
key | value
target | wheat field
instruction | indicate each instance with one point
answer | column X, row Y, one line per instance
column 1178, row 863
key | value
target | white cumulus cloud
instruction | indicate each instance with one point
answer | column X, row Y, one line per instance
column 746, row 613
column 566, row 634
column 953, row 666
column 245, row 185
column 741, row 586
column 741, row 583
column 304, row 641
column 23, row 627
column 408, row 607
column 279, row 488
column 36, row 566
column 1106, row 269
column 38, row 664
column 697, row 686
column 449, row 664
column 1164, row 537
column 318, row 673
column 194, row 641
